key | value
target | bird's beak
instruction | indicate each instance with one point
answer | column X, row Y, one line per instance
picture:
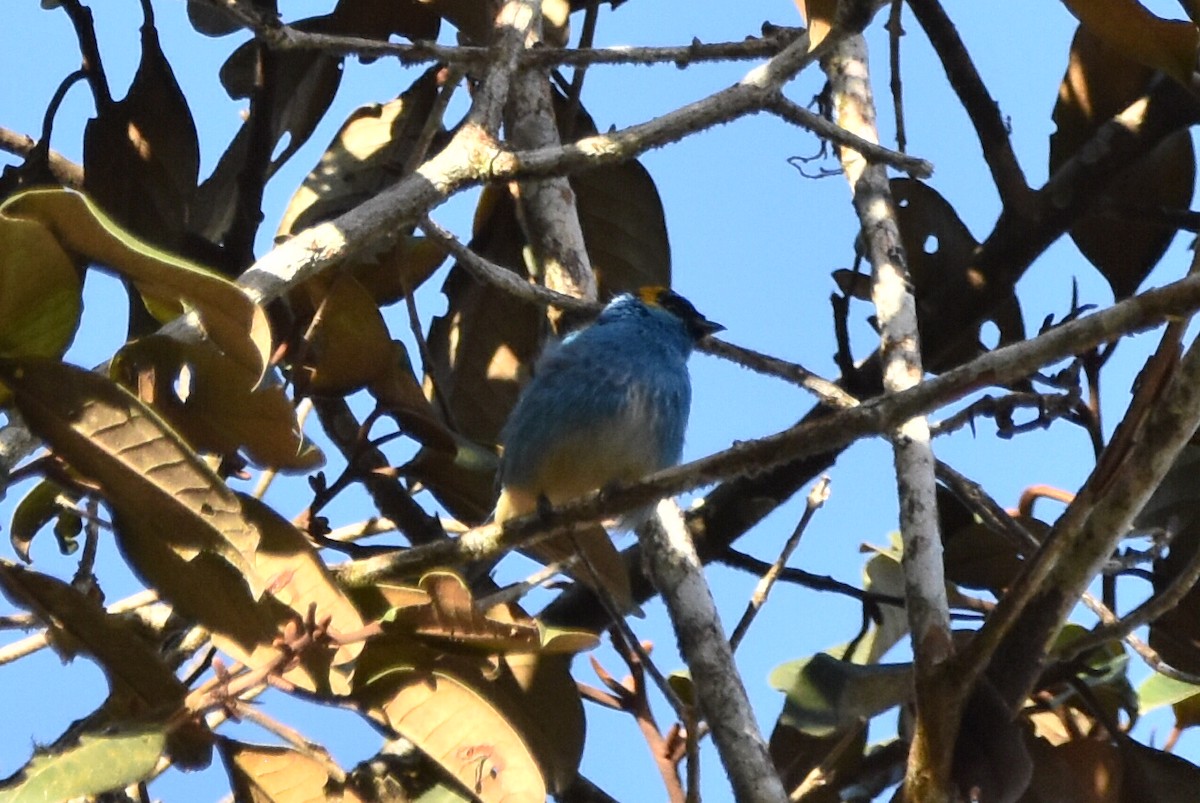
column 703, row 327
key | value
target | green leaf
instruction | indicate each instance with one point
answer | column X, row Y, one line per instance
column 824, row 693
column 97, row 764
column 1159, row 690
column 169, row 284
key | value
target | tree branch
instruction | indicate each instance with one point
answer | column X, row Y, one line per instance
column 679, row 576
column 928, row 775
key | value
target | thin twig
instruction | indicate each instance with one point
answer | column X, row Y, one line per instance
column 981, row 108
column 816, row 498
column 1147, row 612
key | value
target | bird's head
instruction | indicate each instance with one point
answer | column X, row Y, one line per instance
column 667, row 299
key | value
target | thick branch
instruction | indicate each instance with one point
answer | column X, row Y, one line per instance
column 824, row 435
column 679, row 576
column 928, row 776
column 547, row 205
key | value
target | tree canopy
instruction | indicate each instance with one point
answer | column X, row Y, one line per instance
column 293, row 448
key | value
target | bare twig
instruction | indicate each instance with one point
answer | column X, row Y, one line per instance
column 978, row 102
column 833, row 431
column 62, row 168
column 816, row 498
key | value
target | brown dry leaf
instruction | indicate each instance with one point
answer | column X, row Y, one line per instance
column 1083, row 771
column 270, row 774
column 214, row 402
column 1100, row 82
column 78, row 623
column 296, row 576
column 540, row 698
column 349, row 340
column 443, row 610
column 819, row 15
column 795, row 753
column 40, row 302
column 940, row 251
column 1131, row 30
column 168, row 283
column 141, row 156
column 462, row 730
column 367, row 155
column 145, row 471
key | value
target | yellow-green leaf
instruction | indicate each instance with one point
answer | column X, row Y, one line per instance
column 96, row 764
column 40, row 289
column 168, row 283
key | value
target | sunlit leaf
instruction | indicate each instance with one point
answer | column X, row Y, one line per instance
column 40, row 301
column 98, row 763
column 146, row 472
column 444, row 610
column 169, row 284
column 463, row 731
column 368, row 154
column 271, row 774
column 819, row 15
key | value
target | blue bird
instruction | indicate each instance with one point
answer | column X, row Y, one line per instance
column 608, row 404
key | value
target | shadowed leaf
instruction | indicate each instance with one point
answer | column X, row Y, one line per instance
column 80, row 624
column 214, row 402
column 141, row 156
column 37, row 509
column 1125, row 242
column 824, row 694
column 348, row 340
column 941, row 251
column 1128, row 28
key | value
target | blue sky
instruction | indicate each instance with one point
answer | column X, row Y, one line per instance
column 753, row 245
